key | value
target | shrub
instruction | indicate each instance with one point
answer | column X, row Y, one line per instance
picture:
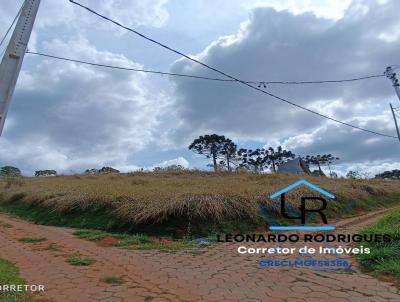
column 77, row 260
column 45, row 173
column 8, row 171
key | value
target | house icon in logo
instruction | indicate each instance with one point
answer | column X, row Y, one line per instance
column 303, row 209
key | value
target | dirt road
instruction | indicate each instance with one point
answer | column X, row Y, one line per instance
column 219, row 274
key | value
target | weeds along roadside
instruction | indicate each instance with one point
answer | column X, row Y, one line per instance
column 9, row 274
column 384, row 260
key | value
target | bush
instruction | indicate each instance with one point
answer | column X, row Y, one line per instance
column 8, row 171
column 394, row 174
column 102, row 170
column 171, row 168
column 45, row 173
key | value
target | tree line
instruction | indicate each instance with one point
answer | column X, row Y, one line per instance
column 225, row 155
column 10, row 171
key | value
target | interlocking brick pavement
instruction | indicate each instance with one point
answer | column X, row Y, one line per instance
column 218, row 274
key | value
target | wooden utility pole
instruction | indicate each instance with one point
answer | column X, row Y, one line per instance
column 12, row 60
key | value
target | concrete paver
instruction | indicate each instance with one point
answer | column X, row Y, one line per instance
column 219, row 274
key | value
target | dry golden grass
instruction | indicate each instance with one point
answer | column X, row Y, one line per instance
column 143, row 197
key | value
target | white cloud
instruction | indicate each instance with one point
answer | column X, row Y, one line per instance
column 144, row 12
column 130, row 13
column 72, row 115
column 278, row 45
column 332, row 9
column 176, row 161
column 356, row 150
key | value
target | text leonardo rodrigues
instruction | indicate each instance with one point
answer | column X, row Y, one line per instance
column 304, row 237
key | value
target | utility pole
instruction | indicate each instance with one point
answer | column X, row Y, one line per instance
column 392, row 76
column 395, row 121
column 12, row 60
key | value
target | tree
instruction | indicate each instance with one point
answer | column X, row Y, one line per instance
column 259, row 159
column 394, row 174
column 314, row 160
column 212, row 146
column 170, row 168
column 9, row 171
column 108, row 170
column 319, row 160
column 228, row 151
column 277, row 157
column 252, row 159
column 353, row 175
column 329, row 159
column 45, row 173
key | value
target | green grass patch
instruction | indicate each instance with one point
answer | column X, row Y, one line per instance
column 114, row 280
column 78, row 260
column 144, row 242
column 137, row 241
column 129, row 240
column 99, row 217
column 384, row 256
column 9, row 275
column 32, row 239
column 92, row 235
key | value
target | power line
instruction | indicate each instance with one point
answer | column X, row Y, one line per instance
column 127, row 68
column 320, row 82
column 225, row 74
column 194, row 76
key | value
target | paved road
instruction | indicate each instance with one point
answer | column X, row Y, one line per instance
column 219, row 274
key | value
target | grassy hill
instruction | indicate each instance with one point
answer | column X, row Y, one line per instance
column 176, row 202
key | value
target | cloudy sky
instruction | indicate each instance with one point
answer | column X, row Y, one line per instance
column 71, row 117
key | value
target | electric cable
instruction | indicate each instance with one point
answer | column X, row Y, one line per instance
column 225, row 74
column 197, row 77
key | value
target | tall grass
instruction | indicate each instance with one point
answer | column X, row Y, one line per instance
column 384, row 256
column 151, row 198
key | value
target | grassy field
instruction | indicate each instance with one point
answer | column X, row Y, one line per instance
column 384, row 257
column 9, row 275
column 175, row 203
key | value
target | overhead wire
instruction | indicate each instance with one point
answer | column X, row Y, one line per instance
column 225, row 74
column 195, row 76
